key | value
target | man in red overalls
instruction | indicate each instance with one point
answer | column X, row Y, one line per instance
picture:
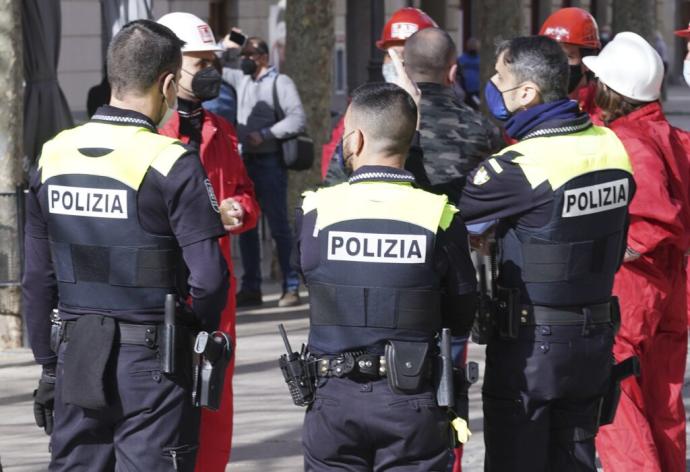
column 216, row 141
column 648, row 432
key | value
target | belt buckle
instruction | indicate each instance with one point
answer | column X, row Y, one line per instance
column 368, row 365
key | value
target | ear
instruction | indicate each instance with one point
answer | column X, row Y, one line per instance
column 357, row 140
column 452, row 73
column 529, row 95
column 166, row 80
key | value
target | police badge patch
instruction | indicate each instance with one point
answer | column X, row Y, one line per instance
column 212, row 196
column 481, row 177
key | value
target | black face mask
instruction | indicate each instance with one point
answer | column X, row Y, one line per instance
column 574, row 77
column 206, row 83
column 248, row 66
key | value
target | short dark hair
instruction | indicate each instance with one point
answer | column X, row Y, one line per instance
column 538, row 59
column 388, row 115
column 428, row 55
column 139, row 53
column 256, row 43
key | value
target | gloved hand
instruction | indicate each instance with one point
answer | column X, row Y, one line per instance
column 44, row 399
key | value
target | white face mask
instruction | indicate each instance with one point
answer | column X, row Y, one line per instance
column 170, row 109
column 686, row 72
column 389, row 73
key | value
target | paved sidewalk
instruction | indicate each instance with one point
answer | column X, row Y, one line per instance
column 267, row 425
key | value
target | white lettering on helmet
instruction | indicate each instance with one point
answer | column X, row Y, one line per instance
column 205, row 34
column 90, row 202
column 403, row 30
column 558, row 33
column 377, row 248
column 595, row 198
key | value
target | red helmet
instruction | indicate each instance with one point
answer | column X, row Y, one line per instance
column 684, row 33
column 403, row 24
column 572, row 26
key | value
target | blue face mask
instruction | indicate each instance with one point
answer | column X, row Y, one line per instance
column 495, row 102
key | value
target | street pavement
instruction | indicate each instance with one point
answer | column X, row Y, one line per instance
column 267, row 424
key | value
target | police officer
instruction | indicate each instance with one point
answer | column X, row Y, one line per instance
column 387, row 265
column 560, row 196
column 114, row 213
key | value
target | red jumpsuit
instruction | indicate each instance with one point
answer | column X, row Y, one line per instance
column 648, row 433
column 585, row 98
column 226, row 172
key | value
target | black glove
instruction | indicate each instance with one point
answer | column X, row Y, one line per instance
column 44, row 399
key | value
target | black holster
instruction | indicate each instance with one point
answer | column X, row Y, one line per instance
column 214, row 352
column 55, row 331
column 609, row 402
column 407, row 366
column 506, row 307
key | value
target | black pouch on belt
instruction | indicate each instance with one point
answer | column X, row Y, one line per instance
column 507, row 308
column 407, row 366
column 86, row 357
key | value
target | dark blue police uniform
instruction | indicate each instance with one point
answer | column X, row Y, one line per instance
column 560, row 196
column 384, row 262
column 117, row 217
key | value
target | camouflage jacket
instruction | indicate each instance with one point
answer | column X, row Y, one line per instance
column 455, row 138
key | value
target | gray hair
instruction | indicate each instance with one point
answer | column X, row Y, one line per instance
column 540, row 60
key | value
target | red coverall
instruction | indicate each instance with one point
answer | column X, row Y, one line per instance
column 585, row 98
column 648, row 433
column 226, row 172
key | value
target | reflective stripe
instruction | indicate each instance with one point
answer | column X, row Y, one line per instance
column 559, row 159
column 134, row 151
column 373, row 201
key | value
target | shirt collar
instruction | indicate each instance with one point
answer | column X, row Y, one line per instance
column 269, row 72
column 381, row 174
column 119, row 116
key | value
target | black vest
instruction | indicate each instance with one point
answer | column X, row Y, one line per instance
column 103, row 257
column 374, row 279
column 572, row 260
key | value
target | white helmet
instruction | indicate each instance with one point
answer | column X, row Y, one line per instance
column 196, row 33
column 630, row 66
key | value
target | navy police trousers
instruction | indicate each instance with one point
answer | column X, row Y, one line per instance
column 541, row 397
column 149, row 425
column 364, row 427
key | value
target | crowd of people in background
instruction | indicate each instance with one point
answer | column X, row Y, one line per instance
column 233, row 109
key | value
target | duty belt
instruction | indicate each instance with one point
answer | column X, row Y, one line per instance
column 128, row 333
column 591, row 314
column 351, row 364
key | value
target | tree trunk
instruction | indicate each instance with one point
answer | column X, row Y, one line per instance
column 638, row 16
column 11, row 79
column 310, row 38
column 497, row 20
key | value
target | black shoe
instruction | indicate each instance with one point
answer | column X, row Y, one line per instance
column 248, row 298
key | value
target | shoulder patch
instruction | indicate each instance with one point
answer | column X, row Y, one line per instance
column 481, row 176
column 211, row 195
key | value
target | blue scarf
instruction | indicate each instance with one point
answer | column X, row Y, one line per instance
column 552, row 114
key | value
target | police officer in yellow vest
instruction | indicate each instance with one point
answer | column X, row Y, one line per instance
column 387, row 265
column 118, row 217
column 560, row 196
